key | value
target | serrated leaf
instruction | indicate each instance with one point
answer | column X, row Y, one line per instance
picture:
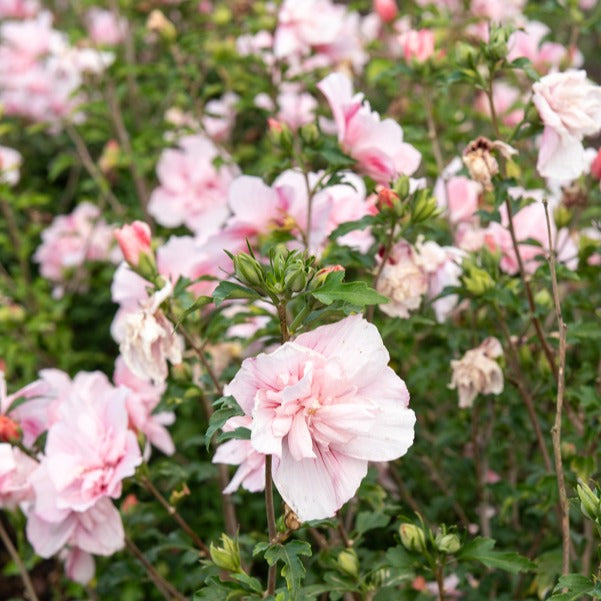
column 238, row 434
column 290, row 554
column 482, row 550
column 351, row 226
column 576, row 585
column 370, row 520
column 228, row 290
column 354, row 293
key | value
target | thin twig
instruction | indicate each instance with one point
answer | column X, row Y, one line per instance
column 166, row 588
column 271, row 529
column 432, row 133
column 531, row 304
column 556, row 430
column 172, row 511
column 93, row 171
column 12, row 551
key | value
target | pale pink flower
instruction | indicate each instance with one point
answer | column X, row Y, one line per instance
column 10, row 164
column 417, row 46
column 324, row 405
column 449, row 584
column 529, row 224
column 296, row 108
column 15, row 469
column 71, row 240
column 149, row 340
column 587, row 4
column 387, row 10
column 505, row 99
column 251, row 473
column 403, row 281
column 220, row 116
column 97, row 530
column 321, row 27
column 141, row 401
column 498, row 12
column 478, row 373
column 18, row 9
column 79, row 565
column 38, row 404
column 192, row 191
column 377, row 145
column 105, row 27
column 459, row 195
column 442, row 265
column 89, row 449
column 134, row 239
column 545, row 56
column 258, row 208
column 570, row 107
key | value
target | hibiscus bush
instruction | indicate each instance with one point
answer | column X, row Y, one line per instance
column 300, row 300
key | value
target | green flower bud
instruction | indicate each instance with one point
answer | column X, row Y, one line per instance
column 589, row 502
column 544, row 299
column 401, row 187
column 222, row 15
column 447, row 543
column 226, row 557
column 424, row 207
column 477, row 281
column 562, row 216
column 248, row 270
column 147, row 266
column 309, row 133
column 348, row 562
column 295, row 279
column 413, row 537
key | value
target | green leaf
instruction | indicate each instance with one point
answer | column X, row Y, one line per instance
column 229, row 409
column 351, row 226
column 239, row 434
column 370, row 520
column 336, row 158
column 576, row 585
column 198, row 303
column 482, row 550
column 355, row 293
column 227, row 290
column 290, row 554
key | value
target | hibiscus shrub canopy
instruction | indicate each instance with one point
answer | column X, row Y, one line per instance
column 300, row 300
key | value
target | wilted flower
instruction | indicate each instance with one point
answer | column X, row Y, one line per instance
column 402, row 280
column 481, row 163
column 324, row 405
column 477, row 372
column 149, row 340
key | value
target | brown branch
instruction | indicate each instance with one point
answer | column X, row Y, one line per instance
column 166, row 588
column 172, row 511
column 556, row 429
column 12, row 551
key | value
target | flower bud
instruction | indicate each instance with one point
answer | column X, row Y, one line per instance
column 160, row 24
column 596, row 166
column 248, row 270
column 348, row 562
column 295, row 279
column 291, row 520
column 424, row 207
column 134, row 240
column 562, row 216
column 322, row 274
column 280, row 134
column 447, row 543
column 402, row 186
column 387, row 199
column 589, row 502
column 109, row 159
column 309, row 133
column 387, row 10
column 413, row 537
column 9, row 430
column 477, row 281
column 226, row 557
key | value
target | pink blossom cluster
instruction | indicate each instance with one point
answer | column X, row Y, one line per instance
column 41, row 73
column 66, row 488
column 70, row 241
column 322, row 406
